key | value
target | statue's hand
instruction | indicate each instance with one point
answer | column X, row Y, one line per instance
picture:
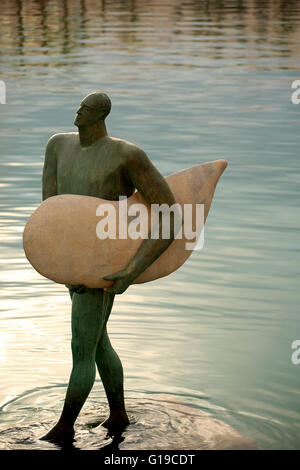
column 78, row 289
column 122, row 280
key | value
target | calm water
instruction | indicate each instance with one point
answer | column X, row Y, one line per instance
column 190, row 81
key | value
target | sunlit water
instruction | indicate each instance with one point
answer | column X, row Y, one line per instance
column 190, row 81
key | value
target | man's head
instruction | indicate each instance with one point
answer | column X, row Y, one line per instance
column 94, row 107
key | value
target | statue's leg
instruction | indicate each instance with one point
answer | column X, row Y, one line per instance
column 88, row 323
column 111, row 373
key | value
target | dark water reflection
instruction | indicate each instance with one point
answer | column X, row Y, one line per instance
column 190, row 81
column 49, row 28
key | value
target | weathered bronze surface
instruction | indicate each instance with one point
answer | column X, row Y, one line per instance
column 89, row 162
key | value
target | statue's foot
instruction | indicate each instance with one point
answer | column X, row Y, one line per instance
column 117, row 422
column 60, row 433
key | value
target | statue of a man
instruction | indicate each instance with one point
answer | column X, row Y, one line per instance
column 91, row 163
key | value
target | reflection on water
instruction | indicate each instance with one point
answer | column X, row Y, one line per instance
column 190, row 81
column 39, row 27
column 157, row 421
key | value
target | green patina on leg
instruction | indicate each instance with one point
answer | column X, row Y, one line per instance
column 111, row 373
column 108, row 362
column 91, row 345
column 88, row 321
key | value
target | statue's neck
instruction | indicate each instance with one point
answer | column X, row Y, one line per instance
column 90, row 134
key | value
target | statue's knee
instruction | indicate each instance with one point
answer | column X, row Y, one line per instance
column 100, row 350
column 76, row 350
column 82, row 352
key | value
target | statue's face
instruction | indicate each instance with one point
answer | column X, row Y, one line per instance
column 87, row 113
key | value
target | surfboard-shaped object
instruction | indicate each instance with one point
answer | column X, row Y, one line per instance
column 61, row 239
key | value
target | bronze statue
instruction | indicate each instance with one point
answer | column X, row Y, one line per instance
column 91, row 163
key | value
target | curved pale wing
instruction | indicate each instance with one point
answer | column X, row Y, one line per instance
column 61, row 243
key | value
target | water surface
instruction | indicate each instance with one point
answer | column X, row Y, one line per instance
column 190, row 82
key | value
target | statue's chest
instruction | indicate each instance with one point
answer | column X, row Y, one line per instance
column 87, row 171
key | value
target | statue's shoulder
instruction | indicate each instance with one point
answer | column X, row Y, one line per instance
column 127, row 149
column 63, row 137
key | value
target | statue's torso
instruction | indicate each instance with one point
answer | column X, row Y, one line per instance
column 97, row 170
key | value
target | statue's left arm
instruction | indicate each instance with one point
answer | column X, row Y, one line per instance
column 155, row 190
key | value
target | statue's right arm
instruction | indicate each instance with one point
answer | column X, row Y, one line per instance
column 49, row 181
column 49, row 186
